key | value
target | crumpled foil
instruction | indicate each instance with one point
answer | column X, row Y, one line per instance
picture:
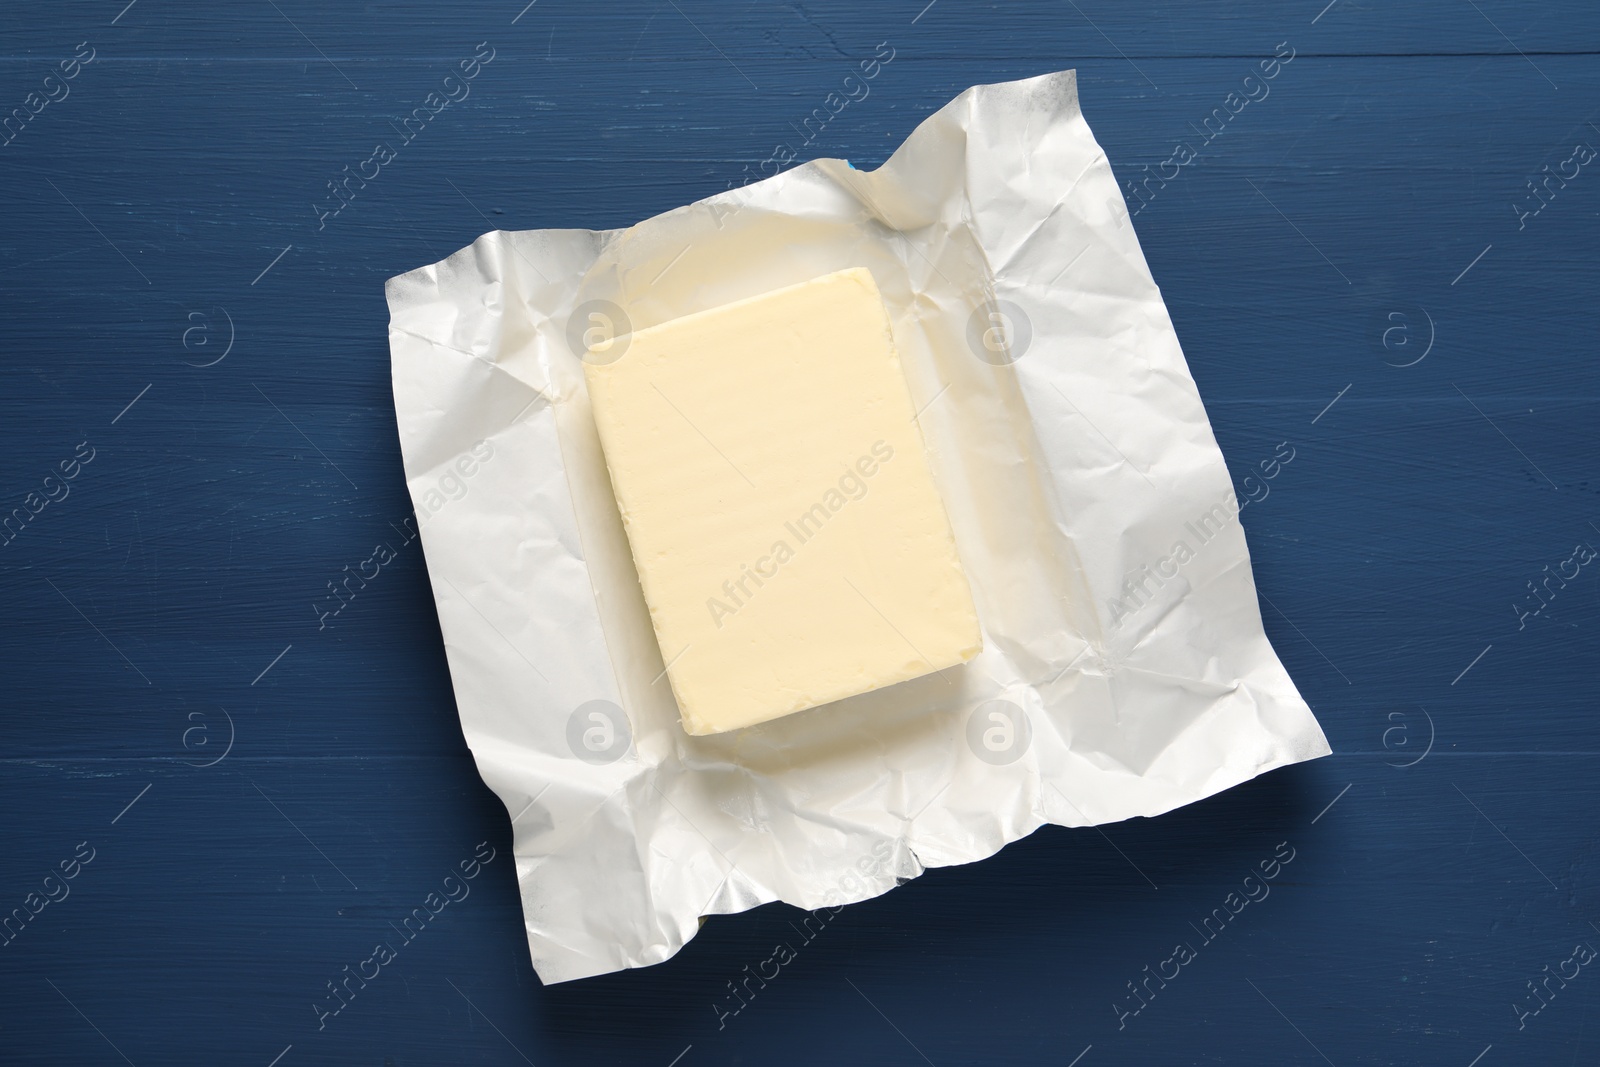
column 1124, row 673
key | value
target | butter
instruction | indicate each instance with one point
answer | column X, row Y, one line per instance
column 790, row 542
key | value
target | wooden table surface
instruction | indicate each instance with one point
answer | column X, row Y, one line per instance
column 212, row 806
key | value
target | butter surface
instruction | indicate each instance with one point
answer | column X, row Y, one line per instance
column 789, row 539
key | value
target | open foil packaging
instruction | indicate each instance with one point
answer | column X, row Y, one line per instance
column 1125, row 671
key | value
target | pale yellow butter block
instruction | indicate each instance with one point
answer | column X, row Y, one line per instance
column 791, row 545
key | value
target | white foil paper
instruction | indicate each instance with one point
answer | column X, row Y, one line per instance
column 1120, row 677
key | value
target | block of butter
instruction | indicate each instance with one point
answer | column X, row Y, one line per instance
column 792, row 547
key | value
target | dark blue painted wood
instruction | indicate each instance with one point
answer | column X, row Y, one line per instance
column 141, row 609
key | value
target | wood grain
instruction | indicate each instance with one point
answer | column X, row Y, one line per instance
column 164, row 605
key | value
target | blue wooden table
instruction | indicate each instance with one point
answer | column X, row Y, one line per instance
column 215, row 802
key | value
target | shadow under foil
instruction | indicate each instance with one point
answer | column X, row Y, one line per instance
column 1081, row 897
